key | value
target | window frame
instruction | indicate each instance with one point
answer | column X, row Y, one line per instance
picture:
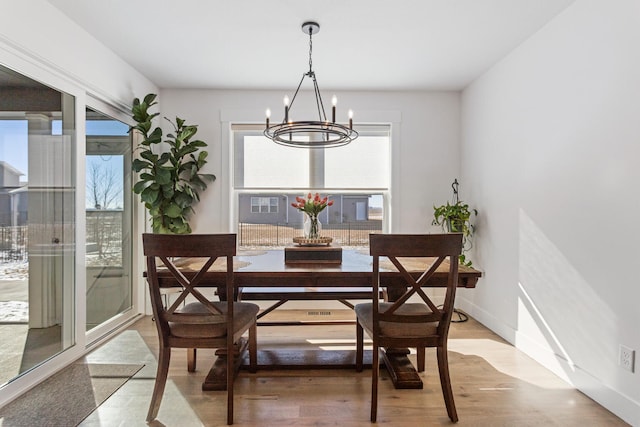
column 240, row 130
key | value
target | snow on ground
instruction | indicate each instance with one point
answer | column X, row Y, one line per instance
column 17, row 270
column 14, row 311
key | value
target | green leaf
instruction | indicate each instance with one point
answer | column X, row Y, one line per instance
column 208, row 177
column 187, row 149
column 167, row 191
column 139, row 187
column 163, row 175
column 188, row 132
column 183, row 199
column 198, row 143
column 173, row 211
column 149, row 195
column 137, row 165
column 155, row 137
column 148, row 155
column 149, row 98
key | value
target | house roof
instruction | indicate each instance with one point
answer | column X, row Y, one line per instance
column 6, row 166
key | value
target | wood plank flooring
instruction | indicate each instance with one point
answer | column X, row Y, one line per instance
column 494, row 385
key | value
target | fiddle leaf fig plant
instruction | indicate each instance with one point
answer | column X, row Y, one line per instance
column 170, row 181
column 456, row 218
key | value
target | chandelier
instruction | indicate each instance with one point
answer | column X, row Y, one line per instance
column 311, row 133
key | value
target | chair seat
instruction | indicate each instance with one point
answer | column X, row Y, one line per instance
column 364, row 312
column 243, row 313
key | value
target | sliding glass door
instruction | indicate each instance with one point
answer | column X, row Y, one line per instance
column 109, row 218
column 37, row 223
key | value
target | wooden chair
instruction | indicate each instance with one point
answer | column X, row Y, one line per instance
column 200, row 324
column 402, row 323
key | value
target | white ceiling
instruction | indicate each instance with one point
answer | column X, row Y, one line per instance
column 362, row 44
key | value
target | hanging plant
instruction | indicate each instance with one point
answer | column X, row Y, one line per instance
column 169, row 182
column 456, row 218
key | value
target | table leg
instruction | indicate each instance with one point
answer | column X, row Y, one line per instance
column 400, row 369
column 402, row 372
column 217, row 377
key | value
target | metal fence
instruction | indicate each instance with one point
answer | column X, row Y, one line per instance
column 278, row 235
column 104, row 238
column 13, row 243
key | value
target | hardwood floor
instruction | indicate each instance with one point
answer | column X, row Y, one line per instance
column 494, row 385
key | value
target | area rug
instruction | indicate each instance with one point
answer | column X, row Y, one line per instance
column 68, row 397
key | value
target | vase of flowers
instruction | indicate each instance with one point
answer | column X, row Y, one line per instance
column 311, row 227
column 311, row 207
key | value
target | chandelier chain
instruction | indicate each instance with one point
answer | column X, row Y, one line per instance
column 310, row 50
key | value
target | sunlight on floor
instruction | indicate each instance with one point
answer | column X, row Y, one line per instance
column 506, row 359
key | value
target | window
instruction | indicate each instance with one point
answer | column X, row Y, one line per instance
column 267, row 177
column 264, row 205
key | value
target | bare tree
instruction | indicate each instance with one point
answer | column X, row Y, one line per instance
column 103, row 187
column 104, row 191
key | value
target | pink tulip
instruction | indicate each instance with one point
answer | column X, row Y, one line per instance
column 330, row 203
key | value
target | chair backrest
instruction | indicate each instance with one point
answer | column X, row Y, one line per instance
column 172, row 248
column 402, row 251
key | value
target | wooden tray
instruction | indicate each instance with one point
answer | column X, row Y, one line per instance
column 320, row 241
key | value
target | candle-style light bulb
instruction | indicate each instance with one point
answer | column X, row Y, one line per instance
column 268, row 114
column 334, row 101
column 286, row 108
column 350, row 119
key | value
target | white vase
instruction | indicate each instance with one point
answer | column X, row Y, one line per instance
column 311, row 227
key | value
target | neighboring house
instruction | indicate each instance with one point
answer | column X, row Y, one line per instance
column 277, row 209
column 13, row 201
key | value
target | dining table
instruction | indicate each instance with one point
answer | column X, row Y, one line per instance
column 269, row 277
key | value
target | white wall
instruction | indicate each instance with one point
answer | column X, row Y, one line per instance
column 550, row 145
column 425, row 142
column 38, row 32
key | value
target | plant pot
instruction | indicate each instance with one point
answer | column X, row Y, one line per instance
column 455, row 225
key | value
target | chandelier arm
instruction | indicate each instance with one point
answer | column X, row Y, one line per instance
column 296, row 92
column 322, row 115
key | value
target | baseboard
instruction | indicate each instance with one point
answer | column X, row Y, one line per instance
column 487, row 319
column 619, row 404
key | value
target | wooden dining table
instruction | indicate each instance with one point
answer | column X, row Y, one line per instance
column 315, row 280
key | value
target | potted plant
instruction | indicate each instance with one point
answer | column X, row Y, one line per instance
column 456, row 218
column 169, row 182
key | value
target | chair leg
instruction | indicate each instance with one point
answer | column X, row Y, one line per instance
column 230, row 378
column 420, row 358
column 253, row 348
column 445, row 382
column 161, row 380
column 359, row 346
column 191, row 359
column 375, row 369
